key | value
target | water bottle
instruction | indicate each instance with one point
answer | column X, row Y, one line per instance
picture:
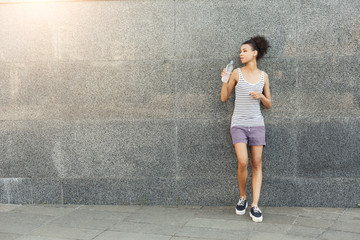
column 229, row 69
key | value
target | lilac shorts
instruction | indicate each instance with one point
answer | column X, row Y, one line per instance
column 249, row 135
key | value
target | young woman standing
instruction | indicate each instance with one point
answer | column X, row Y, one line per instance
column 247, row 123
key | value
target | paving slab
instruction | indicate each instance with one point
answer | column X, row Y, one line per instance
column 287, row 211
column 349, row 218
column 280, row 219
column 149, row 228
column 49, row 210
column 112, row 208
column 268, row 227
column 305, row 232
column 19, row 217
column 336, row 235
column 58, row 231
column 347, row 226
column 162, row 215
column 322, row 213
column 91, row 219
column 313, row 222
column 289, row 237
column 92, row 222
column 17, row 228
column 218, row 224
column 352, row 212
column 8, row 236
column 210, row 233
column 266, row 236
column 228, row 214
column 29, row 237
column 111, row 235
column 185, row 238
column 8, row 207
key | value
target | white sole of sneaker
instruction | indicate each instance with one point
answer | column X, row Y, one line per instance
column 241, row 212
column 256, row 219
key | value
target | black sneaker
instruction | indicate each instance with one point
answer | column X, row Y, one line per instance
column 256, row 214
column 241, row 206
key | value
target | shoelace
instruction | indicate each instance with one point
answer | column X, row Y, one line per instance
column 241, row 201
column 256, row 209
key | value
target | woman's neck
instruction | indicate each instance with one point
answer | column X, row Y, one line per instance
column 251, row 66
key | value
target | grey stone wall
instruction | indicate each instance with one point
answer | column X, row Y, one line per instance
column 118, row 102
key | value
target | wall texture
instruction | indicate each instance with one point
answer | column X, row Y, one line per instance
column 118, row 102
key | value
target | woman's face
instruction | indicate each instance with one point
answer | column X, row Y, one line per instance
column 247, row 53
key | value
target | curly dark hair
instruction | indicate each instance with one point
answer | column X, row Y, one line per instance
column 260, row 44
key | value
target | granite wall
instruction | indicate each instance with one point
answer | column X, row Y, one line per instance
column 118, row 102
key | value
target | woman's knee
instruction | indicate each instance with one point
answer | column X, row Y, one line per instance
column 256, row 163
column 242, row 163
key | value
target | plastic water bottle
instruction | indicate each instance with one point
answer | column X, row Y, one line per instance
column 229, row 69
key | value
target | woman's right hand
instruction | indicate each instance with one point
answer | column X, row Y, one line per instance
column 223, row 72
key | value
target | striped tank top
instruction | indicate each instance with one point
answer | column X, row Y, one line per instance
column 247, row 110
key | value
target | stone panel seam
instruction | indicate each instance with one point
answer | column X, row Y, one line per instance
column 174, row 36
column 31, row 191
column 176, row 113
column 176, row 151
column 62, row 193
column 57, row 46
column 296, row 87
column 177, row 197
column 175, row 103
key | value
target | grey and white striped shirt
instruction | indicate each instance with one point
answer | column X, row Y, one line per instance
column 247, row 110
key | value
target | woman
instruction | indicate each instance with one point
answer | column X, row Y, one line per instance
column 247, row 123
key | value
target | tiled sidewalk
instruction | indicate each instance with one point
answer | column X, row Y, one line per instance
column 61, row 222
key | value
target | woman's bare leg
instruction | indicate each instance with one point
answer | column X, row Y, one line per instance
column 256, row 164
column 242, row 156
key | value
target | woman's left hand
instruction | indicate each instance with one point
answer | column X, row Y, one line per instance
column 255, row 95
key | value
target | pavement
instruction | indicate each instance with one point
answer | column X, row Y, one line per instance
column 113, row 222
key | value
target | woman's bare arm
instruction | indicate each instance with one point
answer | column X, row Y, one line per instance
column 228, row 87
column 266, row 96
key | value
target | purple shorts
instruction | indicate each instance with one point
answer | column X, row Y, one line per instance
column 249, row 135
